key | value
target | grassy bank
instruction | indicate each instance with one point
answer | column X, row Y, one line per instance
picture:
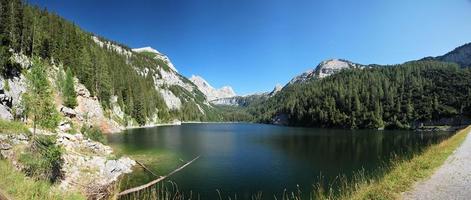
column 400, row 176
column 16, row 185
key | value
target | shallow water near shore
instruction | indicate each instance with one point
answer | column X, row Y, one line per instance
column 243, row 159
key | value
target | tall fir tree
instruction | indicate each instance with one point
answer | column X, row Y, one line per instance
column 38, row 100
column 68, row 91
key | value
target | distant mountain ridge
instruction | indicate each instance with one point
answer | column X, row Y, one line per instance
column 209, row 91
column 460, row 55
column 246, row 100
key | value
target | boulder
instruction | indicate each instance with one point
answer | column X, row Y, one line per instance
column 22, row 137
column 5, row 146
column 68, row 112
column 65, row 126
column 5, row 113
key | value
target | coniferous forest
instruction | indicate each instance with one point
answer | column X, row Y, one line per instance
column 399, row 96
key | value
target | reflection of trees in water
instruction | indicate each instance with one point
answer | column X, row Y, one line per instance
column 341, row 150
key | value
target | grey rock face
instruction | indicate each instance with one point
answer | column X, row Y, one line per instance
column 209, row 91
column 101, row 173
column 325, row 69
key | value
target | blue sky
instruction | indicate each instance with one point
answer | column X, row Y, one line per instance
column 252, row 45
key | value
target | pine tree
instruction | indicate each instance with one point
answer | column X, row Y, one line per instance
column 68, row 91
column 38, row 100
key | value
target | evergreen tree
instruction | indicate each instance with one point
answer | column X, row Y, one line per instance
column 68, row 91
column 38, row 100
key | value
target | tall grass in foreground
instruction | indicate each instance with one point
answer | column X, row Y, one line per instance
column 16, row 185
column 388, row 182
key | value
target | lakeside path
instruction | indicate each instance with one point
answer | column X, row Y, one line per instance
column 451, row 181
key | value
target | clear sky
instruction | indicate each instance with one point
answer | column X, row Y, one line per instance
column 252, row 45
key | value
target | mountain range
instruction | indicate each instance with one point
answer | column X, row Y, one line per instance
column 139, row 86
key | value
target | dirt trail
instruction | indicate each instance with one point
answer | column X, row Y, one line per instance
column 451, row 181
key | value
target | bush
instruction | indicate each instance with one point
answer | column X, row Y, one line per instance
column 43, row 159
column 10, row 127
column 94, row 134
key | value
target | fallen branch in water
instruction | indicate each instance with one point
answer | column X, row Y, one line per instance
column 147, row 169
column 138, row 188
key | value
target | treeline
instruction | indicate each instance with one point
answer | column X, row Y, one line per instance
column 399, row 96
column 103, row 70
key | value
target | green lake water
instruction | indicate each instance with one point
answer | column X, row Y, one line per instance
column 243, row 159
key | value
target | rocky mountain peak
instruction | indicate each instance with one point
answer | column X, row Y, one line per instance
column 275, row 90
column 158, row 55
column 146, row 49
column 325, row 69
column 209, row 91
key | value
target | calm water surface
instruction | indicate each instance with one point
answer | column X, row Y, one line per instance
column 243, row 159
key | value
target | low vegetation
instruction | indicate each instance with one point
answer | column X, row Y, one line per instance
column 12, row 127
column 16, row 185
column 93, row 133
column 42, row 159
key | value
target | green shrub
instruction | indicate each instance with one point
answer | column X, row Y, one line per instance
column 43, row 159
column 12, row 127
column 94, row 134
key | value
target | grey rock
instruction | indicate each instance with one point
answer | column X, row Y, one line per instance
column 68, row 112
column 65, row 126
column 5, row 146
column 22, row 137
column 5, row 113
column 3, row 137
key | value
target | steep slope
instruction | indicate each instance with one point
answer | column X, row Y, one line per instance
column 142, row 83
column 460, row 55
column 209, row 91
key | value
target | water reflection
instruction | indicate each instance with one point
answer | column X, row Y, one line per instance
column 246, row 158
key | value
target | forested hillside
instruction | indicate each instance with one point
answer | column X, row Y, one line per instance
column 399, row 96
column 106, row 68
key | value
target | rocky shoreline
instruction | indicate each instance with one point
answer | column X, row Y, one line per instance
column 88, row 167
